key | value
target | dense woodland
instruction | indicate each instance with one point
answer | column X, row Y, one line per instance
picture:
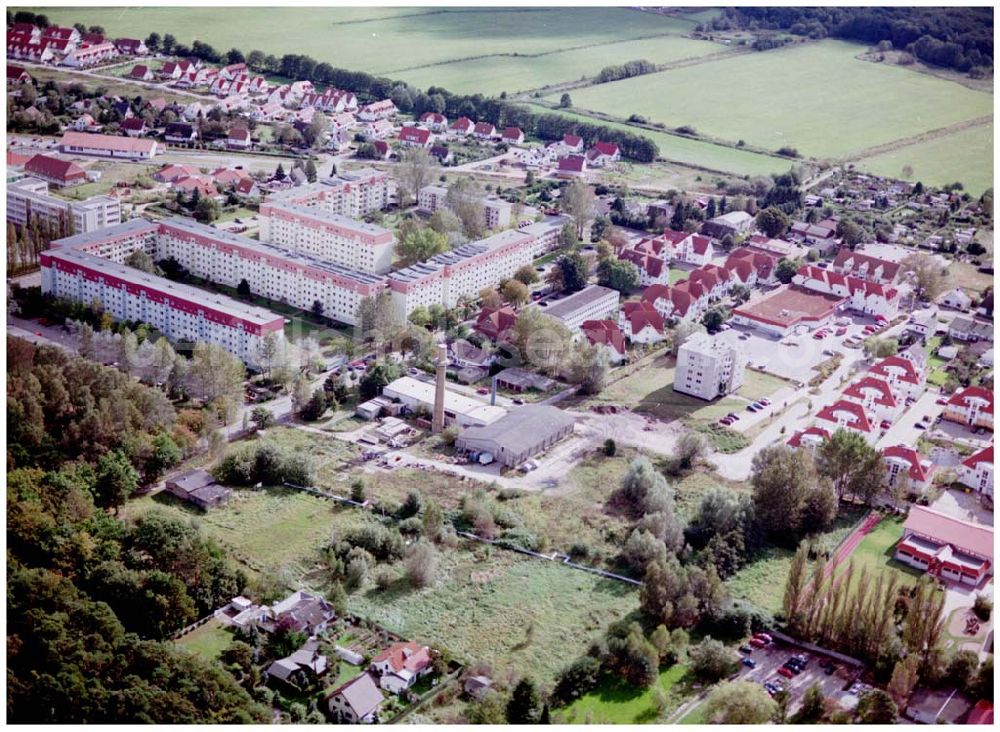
column 956, row 38
column 90, row 597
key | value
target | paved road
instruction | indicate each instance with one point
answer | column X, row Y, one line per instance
column 106, row 80
column 50, row 335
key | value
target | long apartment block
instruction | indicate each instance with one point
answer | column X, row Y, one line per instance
column 29, row 199
column 183, row 314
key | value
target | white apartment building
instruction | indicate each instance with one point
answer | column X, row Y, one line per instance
column 353, row 193
column 591, row 303
column 496, row 211
column 183, row 314
column 709, row 367
column 29, row 199
column 332, row 237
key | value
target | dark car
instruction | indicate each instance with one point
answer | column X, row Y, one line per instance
column 746, row 649
column 749, row 663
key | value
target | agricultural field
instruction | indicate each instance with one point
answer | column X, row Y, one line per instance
column 875, row 103
column 499, row 607
column 959, row 156
column 390, row 41
column 683, row 150
column 519, row 72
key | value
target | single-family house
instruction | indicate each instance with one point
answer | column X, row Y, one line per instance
column 414, row 136
column 956, row 299
column 131, row 46
column 356, row 701
column 140, row 72
column 400, row 665
column 199, row 488
column 495, row 323
column 134, row 127
column 603, row 153
column 462, row 126
column 733, row 223
column 180, row 133
column 247, row 189
column 513, row 136
column 172, row 171
column 970, row 330
column 306, row 663
column 434, row 121
column 442, row 153
column 572, row 166
column 16, row 75
column 238, row 138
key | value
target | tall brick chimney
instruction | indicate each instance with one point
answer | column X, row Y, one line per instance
column 437, row 423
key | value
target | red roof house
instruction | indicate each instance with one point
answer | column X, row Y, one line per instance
column 572, row 165
column 140, row 72
column 484, row 130
column 641, row 322
column 495, row 323
column 513, row 136
column 607, row 333
column 462, row 126
column 414, row 136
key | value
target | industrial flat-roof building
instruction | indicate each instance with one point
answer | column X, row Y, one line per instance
column 518, row 435
column 459, row 409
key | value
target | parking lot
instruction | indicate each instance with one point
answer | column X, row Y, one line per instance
column 772, row 657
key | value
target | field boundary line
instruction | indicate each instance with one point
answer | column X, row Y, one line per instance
column 928, row 136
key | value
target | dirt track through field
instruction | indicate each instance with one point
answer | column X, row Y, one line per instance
column 871, row 152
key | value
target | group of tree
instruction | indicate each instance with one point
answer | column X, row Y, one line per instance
column 625, row 70
column 26, row 242
column 91, row 597
column 960, row 39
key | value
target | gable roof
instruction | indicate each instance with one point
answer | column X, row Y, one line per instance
column 962, row 397
column 572, row 140
column 641, row 313
column 858, row 420
column 884, row 396
column 134, row 123
column 485, row 128
column 855, row 261
column 572, row 163
column 494, row 322
column 414, row 134
column 919, row 470
column 606, row 148
column 54, row 168
column 884, row 369
column 361, row 694
column 963, row 535
column 513, row 133
column 462, row 123
column 983, row 456
column 409, row 656
column 605, row 332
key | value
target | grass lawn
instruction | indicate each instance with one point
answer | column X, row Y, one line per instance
column 969, row 276
column 512, row 611
column 208, row 641
column 966, row 156
column 386, row 41
column 616, row 702
column 695, row 716
column 111, row 172
column 115, row 87
column 762, row 582
column 518, row 73
column 681, row 149
column 876, row 103
column 650, row 390
column 877, row 549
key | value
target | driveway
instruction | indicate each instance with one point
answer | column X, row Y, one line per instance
column 904, row 430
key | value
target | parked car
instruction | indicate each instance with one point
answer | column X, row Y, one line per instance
column 482, row 390
column 518, row 401
column 886, row 424
column 732, row 416
column 941, row 400
column 764, row 637
column 746, row 649
column 752, row 408
column 726, row 421
column 757, row 642
column 749, row 663
column 786, row 672
column 765, row 402
column 920, row 426
column 840, row 331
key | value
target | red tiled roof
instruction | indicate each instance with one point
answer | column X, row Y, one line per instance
column 572, row 163
column 414, row 134
column 572, row 140
column 485, row 128
column 134, row 123
column 245, row 186
column 882, row 368
column 796, row 440
column 871, row 383
column 433, row 118
column 889, row 269
column 513, row 133
column 138, row 71
column 859, row 422
column 14, row 72
column 462, row 123
column 656, row 292
column 494, row 322
column 963, row 535
column 16, row 158
column 605, row 332
column 239, row 133
column 54, row 168
column 405, row 656
column 640, row 314
column 983, row 456
column 606, row 148
column 651, row 265
column 910, row 456
column 700, row 243
column 961, row 398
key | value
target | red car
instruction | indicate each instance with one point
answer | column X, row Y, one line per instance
column 841, row 331
column 819, row 335
column 764, row 637
column 881, row 319
column 482, row 390
column 886, row 424
column 787, row 673
column 757, row 643
column 942, row 400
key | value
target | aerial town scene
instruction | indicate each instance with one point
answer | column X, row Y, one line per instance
column 499, row 365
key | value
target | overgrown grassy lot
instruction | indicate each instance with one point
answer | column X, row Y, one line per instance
column 965, row 156
column 387, row 41
column 874, row 103
column 512, row 611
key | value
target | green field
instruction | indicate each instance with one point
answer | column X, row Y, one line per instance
column 387, row 41
column 876, row 551
column 685, row 150
column 616, row 702
column 512, row 611
column 517, row 73
column 964, row 156
column 815, row 97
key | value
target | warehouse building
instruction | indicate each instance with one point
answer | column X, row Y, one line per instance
column 519, row 435
column 459, row 409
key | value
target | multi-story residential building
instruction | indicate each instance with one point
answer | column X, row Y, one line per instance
column 848, row 415
column 971, row 406
column 864, row 296
column 903, row 460
column 330, row 236
column 29, row 199
column 183, row 314
column 875, row 395
column 384, row 109
column 353, row 193
column 593, row 302
column 865, row 267
column 904, row 375
column 496, row 211
column 976, row 472
column 709, row 367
